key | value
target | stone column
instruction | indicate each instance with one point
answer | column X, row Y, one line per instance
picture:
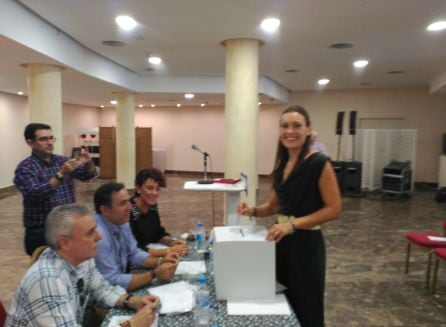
column 241, row 114
column 45, row 98
column 125, row 139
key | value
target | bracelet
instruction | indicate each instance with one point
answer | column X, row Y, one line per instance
column 292, row 226
column 159, row 261
column 254, row 211
column 126, row 302
column 125, row 324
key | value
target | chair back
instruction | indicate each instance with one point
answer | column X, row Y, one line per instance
column 2, row 314
column 37, row 252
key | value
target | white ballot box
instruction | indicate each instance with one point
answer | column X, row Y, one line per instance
column 244, row 263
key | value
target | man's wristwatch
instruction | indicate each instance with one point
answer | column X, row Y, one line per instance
column 125, row 324
column 127, row 302
column 153, row 273
column 59, row 176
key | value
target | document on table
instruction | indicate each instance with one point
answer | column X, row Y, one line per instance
column 277, row 306
column 436, row 238
column 175, row 297
column 116, row 320
column 191, row 268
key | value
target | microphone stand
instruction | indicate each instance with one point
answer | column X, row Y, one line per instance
column 205, row 165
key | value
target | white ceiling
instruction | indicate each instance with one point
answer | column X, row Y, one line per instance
column 186, row 34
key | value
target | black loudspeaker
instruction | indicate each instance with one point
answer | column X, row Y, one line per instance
column 338, row 167
column 339, row 122
column 352, row 126
column 352, row 178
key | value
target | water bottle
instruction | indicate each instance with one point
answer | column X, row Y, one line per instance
column 201, row 310
column 201, row 237
column 213, row 319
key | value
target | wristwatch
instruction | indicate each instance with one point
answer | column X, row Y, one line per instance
column 127, row 302
column 153, row 272
column 59, row 176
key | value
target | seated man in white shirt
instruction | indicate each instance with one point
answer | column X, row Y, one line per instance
column 117, row 250
column 57, row 288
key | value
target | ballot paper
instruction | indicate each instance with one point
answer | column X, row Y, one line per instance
column 191, row 268
column 116, row 320
column 175, row 297
column 277, row 306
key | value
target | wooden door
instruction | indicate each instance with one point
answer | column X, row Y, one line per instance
column 143, row 149
column 107, row 151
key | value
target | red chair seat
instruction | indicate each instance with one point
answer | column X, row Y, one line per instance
column 422, row 239
column 441, row 253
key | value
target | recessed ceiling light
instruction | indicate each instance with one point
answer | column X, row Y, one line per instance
column 154, row 60
column 20, row 93
column 189, row 96
column 341, row 46
column 113, row 102
column 270, row 24
column 102, row 106
column 437, row 26
column 259, row 103
column 323, row 81
column 360, row 63
column 396, row 72
column 111, row 43
column 152, row 105
column 140, row 105
column 202, row 105
column 178, row 105
column 125, row 22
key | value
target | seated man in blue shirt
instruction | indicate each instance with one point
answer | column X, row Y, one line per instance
column 56, row 289
column 118, row 251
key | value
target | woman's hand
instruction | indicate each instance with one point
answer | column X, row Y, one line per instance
column 181, row 249
column 144, row 317
column 243, row 209
column 279, row 231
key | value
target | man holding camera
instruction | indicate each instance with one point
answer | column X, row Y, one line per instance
column 46, row 181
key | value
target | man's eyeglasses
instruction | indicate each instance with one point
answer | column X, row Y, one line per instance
column 80, row 290
column 45, row 139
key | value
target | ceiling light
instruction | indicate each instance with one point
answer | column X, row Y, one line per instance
column 113, row 102
column 259, row 103
column 360, row 63
column 20, row 93
column 437, row 26
column 140, row 105
column 202, row 105
column 154, row 60
column 189, row 96
column 152, row 105
column 270, row 24
column 102, row 106
column 323, row 81
column 125, row 22
column 178, row 105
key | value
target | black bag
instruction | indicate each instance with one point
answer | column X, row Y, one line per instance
column 441, row 195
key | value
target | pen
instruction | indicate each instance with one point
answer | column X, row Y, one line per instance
column 241, row 232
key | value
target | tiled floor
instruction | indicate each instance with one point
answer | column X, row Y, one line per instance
column 366, row 284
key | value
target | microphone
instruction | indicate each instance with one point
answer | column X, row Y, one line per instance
column 194, row 147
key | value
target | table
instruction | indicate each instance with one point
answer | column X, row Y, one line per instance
column 233, row 196
column 223, row 319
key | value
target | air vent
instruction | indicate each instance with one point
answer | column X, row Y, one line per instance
column 396, row 72
column 341, row 46
column 292, row 71
column 113, row 43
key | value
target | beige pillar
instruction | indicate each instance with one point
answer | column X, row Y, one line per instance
column 45, row 98
column 125, row 139
column 241, row 113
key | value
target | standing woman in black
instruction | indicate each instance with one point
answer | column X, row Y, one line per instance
column 305, row 194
